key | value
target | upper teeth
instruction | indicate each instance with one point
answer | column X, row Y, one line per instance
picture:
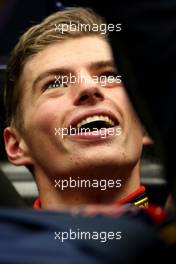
column 96, row 118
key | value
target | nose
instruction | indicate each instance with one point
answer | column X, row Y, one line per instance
column 88, row 92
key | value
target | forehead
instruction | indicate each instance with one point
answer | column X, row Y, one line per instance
column 69, row 53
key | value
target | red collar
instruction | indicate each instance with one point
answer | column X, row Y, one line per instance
column 37, row 204
column 138, row 198
column 132, row 196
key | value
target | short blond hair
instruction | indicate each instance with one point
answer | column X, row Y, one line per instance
column 33, row 41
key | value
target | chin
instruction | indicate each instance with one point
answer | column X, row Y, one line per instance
column 100, row 162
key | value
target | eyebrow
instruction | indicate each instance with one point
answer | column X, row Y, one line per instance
column 102, row 64
column 65, row 71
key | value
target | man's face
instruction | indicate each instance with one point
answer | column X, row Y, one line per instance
column 48, row 105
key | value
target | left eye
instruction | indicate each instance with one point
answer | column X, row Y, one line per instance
column 109, row 78
column 109, row 73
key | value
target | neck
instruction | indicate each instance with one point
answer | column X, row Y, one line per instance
column 54, row 194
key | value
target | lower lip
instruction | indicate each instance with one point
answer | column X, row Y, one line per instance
column 95, row 135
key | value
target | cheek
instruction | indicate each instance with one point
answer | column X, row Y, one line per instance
column 43, row 118
column 121, row 98
column 40, row 123
column 133, row 128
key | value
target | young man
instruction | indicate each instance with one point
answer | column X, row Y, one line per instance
column 61, row 80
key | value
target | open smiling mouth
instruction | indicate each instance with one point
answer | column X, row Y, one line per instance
column 94, row 127
column 97, row 121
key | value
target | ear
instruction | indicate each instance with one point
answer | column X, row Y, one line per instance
column 16, row 148
column 146, row 140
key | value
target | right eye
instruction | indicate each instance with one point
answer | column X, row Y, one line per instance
column 55, row 84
